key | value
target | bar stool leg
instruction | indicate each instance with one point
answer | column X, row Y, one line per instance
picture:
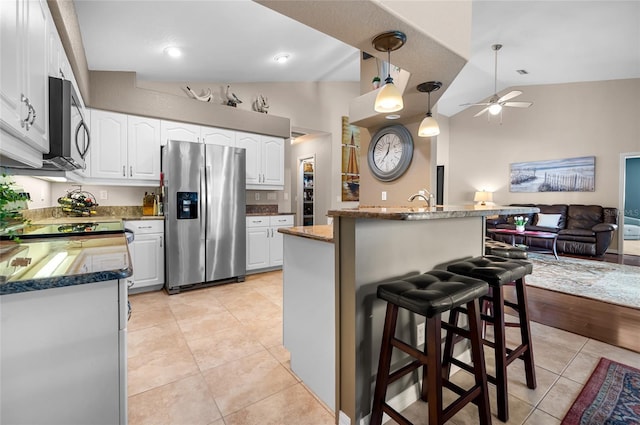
column 384, row 364
column 477, row 356
column 500, row 353
column 450, row 341
column 434, row 379
column 525, row 333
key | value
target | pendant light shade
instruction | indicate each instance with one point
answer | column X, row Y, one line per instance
column 429, row 126
column 389, row 98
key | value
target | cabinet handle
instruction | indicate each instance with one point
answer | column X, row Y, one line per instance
column 131, row 171
column 160, row 241
column 25, row 122
column 124, row 173
column 33, row 117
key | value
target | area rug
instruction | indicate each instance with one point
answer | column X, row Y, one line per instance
column 611, row 396
column 609, row 282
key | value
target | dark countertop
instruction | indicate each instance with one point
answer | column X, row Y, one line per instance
column 268, row 214
column 427, row 213
column 322, row 233
column 38, row 264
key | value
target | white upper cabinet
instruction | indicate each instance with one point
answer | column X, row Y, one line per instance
column 179, row 131
column 265, row 160
column 273, row 160
column 124, row 147
column 251, row 144
column 218, row 136
column 23, row 71
column 143, row 148
column 108, row 145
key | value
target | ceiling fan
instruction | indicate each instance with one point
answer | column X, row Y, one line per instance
column 495, row 103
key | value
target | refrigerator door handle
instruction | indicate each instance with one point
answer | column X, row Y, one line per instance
column 209, row 208
column 200, row 200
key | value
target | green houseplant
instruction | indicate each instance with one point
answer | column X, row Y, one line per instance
column 9, row 214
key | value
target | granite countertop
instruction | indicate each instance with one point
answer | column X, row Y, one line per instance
column 426, row 213
column 269, row 213
column 94, row 218
column 38, row 264
column 322, row 233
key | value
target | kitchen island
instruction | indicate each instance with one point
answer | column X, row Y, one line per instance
column 63, row 305
column 371, row 246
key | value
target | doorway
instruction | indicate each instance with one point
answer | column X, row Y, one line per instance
column 306, row 191
column 629, row 235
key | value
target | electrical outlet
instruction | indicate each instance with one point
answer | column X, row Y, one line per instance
column 257, row 196
column 384, row 196
column 104, row 194
column 420, row 333
column 285, row 196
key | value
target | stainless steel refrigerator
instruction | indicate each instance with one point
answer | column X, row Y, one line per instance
column 204, row 207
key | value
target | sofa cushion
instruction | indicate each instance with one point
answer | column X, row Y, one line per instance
column 556, row 209
column 583, row 216
column 548, row 220
column 576, row 232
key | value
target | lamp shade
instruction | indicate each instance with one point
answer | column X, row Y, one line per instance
column 483, row 197
column 389, row 98
column 429, row 127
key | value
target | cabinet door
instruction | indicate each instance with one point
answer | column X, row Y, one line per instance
column 109, row 145
column 218, row 136
column 143, row 147
column 179, row 131
column 148, row 260
column 36, row 82
column 251, row 143
column 10, row 68
column 272, row 160
column 257, row 247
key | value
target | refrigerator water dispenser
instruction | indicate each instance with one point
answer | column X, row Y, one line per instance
column 187, row 205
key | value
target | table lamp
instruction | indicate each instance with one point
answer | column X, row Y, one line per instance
column 483, row 197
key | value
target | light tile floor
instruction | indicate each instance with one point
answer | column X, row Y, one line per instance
column 215, row 357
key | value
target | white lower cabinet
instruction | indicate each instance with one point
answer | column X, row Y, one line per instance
column 64, row 358
column 264, row 243
column 147, row 255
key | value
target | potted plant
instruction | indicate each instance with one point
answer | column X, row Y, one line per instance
column 375, row 82
column 10, row 215
column 520, row 221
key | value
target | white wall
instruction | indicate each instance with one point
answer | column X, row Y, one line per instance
column 598, row 119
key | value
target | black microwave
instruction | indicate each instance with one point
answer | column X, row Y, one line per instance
column 69, row 136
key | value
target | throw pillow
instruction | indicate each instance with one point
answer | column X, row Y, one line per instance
column 548, row 220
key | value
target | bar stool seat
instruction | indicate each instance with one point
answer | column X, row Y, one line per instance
column 498, row 272
column 430, row 294
column 501, row 249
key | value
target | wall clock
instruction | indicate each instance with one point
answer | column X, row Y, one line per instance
column 390, row 152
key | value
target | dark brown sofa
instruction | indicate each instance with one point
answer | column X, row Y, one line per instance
column 582, row 229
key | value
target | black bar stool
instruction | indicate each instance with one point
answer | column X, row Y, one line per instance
column 430, row 295
column 497, row 272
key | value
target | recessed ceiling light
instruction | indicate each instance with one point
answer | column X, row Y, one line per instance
column 173, row 52
column 281, row 58
column 392, row 116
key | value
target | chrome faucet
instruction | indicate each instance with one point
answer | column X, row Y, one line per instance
column 423, row 193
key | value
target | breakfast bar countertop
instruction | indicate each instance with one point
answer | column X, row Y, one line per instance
column 426, row 213
column 322, row 233
column 38, row 264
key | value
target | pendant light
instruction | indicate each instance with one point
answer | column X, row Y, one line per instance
column 389, row 98
column 429, row 126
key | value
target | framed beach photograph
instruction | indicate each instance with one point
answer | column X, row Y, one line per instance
column 350, row 161
column 561, row 175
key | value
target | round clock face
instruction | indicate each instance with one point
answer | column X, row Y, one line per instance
column 390, row 152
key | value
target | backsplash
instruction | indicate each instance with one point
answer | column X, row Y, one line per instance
column 262, row 209
column 56, row 212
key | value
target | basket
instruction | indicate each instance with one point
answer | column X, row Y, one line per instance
column 78, row 203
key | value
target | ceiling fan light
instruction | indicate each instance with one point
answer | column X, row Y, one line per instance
column 389, row 98
column 495, row 109
column 429, row 127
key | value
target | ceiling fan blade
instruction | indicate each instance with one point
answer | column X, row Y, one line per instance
column 481, row 112
column 518, row 104
column 476, row 104
column 509, row 95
